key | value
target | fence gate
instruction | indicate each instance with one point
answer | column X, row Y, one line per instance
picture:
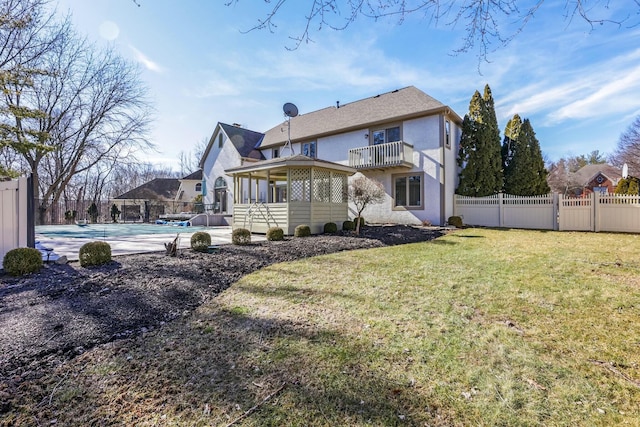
column 576, row 214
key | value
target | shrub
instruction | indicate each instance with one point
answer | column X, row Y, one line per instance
column 94, row 253
column 302, row 230
column 275, row 233
column 200, row 241
column 330, row 228
column 21, row 261
column 455, row 221
column 241, row 236
column 348, row 226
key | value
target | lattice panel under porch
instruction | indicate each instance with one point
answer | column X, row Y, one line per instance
column 321, row 186
column 300, row 184
column 338, row 188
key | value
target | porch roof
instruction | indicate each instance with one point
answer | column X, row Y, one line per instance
column 297, row 160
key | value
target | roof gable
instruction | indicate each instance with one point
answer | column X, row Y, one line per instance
column 243, row 140
column 587, row 173
column 399, row 104
column 156, row 189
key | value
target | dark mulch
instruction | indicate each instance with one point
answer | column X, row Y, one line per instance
column 64, row 310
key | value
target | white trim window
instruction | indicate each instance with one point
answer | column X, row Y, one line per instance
column 382, row 136
column 447, row 134
column 408, row 190
column 309, row 149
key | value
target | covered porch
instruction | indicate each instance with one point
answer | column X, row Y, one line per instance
column 290, row 191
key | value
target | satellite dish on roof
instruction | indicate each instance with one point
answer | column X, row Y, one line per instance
column 290, row 110
column 625, row 171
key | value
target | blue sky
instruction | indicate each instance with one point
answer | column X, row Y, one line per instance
column 579, row 87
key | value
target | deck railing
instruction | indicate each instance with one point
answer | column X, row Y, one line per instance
column 391, row 154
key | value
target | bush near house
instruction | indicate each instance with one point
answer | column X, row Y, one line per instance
column 455, row 221
column 200, row 241
column 21, row 261
column 302, row 230
column 241, row 236
column 348, row 226
column 275, row 234
column 94, row 253
column 330, row 228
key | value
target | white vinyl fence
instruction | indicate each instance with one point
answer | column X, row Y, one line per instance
column 595, row 212
column 505, row 210
column 13, row 215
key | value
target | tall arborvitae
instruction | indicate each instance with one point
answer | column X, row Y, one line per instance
column 539, row 173
column 524, row 171
column 479, row 153
column 492, row 144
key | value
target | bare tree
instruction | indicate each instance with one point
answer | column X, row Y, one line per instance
column 483, row 20
column 190, row 160
column 27, row 34
column 363, row 192
column 90, row 108
column 628, row 149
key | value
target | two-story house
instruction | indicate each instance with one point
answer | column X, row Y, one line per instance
column 405, row 139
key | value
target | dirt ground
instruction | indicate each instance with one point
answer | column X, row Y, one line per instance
column 64, row 310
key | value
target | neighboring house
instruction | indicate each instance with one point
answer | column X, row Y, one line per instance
column 229, row 146
column 405, row 139
column 190, row 187
column 597, row 177
column 148, row 201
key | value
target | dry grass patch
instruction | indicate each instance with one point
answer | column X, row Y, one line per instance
column 481, row 327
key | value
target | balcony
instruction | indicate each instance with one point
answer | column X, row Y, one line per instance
column 380, row 156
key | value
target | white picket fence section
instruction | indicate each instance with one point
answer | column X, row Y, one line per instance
column 505, row 210
column 13, row 215
column 617, row 213
column 596, row 212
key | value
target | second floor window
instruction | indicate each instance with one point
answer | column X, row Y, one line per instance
column 275, row 153
column 220, row 141
column 382, row 136
column 309, row 149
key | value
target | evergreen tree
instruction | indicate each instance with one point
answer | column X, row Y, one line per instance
column 524, row 171
column 539, row 185
column 479, row 153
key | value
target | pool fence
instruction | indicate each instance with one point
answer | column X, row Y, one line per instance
column 593, row 212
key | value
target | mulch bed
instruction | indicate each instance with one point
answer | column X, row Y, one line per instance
column 64, row 310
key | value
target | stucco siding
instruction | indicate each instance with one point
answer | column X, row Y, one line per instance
column 214, row 166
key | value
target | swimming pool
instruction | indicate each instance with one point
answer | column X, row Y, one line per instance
column 104, row 231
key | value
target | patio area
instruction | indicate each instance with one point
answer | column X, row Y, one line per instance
column 123, row 245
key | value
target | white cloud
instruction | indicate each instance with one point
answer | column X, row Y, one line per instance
column 145, row 61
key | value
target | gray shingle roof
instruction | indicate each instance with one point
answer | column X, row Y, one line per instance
column 397, row 105
column 244, row 140
column 195, row 176
column 156, row 189
column 586, row 173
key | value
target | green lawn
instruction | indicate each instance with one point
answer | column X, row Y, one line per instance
column 481, row 327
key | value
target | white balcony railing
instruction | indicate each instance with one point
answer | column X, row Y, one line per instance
column 391, row 154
